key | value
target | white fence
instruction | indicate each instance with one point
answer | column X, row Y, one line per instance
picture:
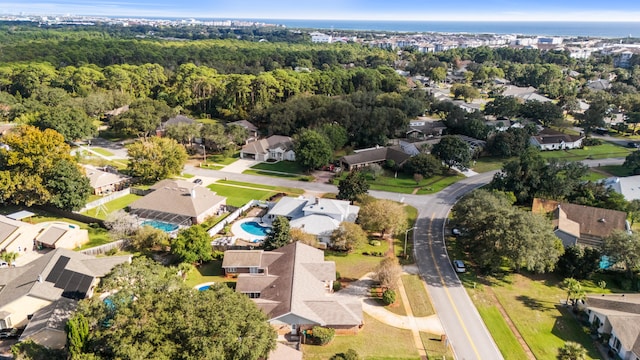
column 105, row 199
column 236, row 214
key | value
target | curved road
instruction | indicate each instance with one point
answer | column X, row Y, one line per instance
column 460, row 319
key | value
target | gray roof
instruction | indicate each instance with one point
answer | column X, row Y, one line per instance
column 264, row 145
column 178, row 197
column 295, row 284
column 99, row 178
column 179, row 119
column 376, row 155
column 19, row 215
column 52, row 317
column 315, row 224
column 245, row 124
column 628, row 186
column 550, row 136
column 289, row 207
column 17, row 282
column 599, row 84
column 7, row 227
column 51, row 235
column 623, row 313
column 242, row 258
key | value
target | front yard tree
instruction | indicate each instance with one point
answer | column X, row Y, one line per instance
column 336, row 134
column 385, row 216
column 466, row 92
column 574, row 290
column 623, row 248
column 348, row 237
column 352, row 186
column 192, row 245
column 453, row 151
column 72, row 122
column 279, row 235
column 154, row 315
column 632, row 161
column 142, row 118
column 423, row 164
column 572, row 351
column 69, row 188
column 312, row 149
column 503, row 106
column 155, row 159
column 388, row 273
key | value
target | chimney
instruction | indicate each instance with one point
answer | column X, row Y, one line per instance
column 40, row 278
column 193, row 193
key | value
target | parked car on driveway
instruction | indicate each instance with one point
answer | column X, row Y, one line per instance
column 197, row 181
column 9, row 333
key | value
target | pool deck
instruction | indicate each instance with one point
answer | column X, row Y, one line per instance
column 239, row 233
column 197, row 287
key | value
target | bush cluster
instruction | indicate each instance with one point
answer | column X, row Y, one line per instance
column 323, row 335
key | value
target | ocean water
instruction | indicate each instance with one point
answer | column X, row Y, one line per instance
column 590, row 29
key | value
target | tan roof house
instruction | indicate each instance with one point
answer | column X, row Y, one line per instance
column 104, row 182
column 293, row 286
column 619, row 316
column 178, row 202
column 16, row 236
column 275, row 147
column 60, row 273
column 580, row 224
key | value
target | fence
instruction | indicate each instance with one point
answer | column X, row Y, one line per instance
column 236, row 214
column 105, row 199
column 98, row 250
column 71, row 215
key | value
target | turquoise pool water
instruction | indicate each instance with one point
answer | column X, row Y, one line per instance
column 160, row 225
column 203, row 288
column 254, row 228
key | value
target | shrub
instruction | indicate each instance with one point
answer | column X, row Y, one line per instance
column 337, row 285
column 374, row 242
column 389, row 297
column 349, row 355
column 591, row 142
column 323, row 335
column 111, row 252
column 338, row 276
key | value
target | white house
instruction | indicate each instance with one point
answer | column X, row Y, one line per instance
column 316, row 216
column 318, row 37
column 628, row 186
column 275, row 147
column 549, row 139
column 617, row 315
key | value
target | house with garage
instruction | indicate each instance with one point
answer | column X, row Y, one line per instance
column 178, row 203
column 424, row 127
column 549, row 139
column 579, row 224
column 293, row 286
column 275, row 147
column 377, row 155
column 105, row 182
column 35, row 289
column 316, row 216
column 16, row 236
column 616, row 316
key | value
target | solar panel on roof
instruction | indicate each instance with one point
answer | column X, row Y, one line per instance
column 85, row 285
column 64, row 279
column 77, row 286
column 57, row 270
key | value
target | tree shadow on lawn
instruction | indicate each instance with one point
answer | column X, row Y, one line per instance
column 568, row 328
column 531, row 303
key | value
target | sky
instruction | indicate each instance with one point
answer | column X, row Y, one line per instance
column 423, row 10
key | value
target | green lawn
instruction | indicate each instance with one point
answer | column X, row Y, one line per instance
column 111, row 206
column 405, row 184
column 279, row 175
column 594, row 176
column 436, row 348
column 283, row 189
column 207, row 272
column 102, row 151
column 418, row 297
column 486, row 164
column 355, row 265
column 604, row 151
column 502, row 335
column 220, row 159
column 376, row 341
column 97, row 236
column 238, row 196
column 616, row 170
column 436, row 184
column 292, row 167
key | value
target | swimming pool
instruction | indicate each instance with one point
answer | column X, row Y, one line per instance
column 254, row 228
column 204, row 286
column 166, row 227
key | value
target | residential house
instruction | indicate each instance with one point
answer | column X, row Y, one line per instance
column 424, row 127
column 251, row 129
column 316, row 216
column 617, row 315
column 47, row 326
column 549, row 139
column 293, row 286
column 580, row 224
column 467, row 106
column 60, row 273
column 318, row 37
column 106, row 182
column 179, row 119
column 599, row 85
column 628, row 186
column 376, row 155
column 18, row 236
column 275, row 147
column 178, row 202
column 524, row 93
column 475, row 145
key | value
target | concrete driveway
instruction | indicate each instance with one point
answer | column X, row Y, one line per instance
column 240, row 165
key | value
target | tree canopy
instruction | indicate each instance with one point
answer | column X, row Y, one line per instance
column 312, row 149
column 279, row 234
column 155, row 159
column 352, row 186
column 385, row 216
column 453, row 151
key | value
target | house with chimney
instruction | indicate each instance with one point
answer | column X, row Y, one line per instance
column 293, row 286
column 579, row 224
column 178, row 202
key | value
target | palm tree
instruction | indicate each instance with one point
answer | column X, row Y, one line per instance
column 574, row 290
column 572, row 351
column 9, row 257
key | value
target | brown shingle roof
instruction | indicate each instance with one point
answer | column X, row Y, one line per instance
column 375, row 155
column 548, row 136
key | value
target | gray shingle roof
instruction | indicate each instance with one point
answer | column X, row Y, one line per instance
column 52, row 317
column 178, row 197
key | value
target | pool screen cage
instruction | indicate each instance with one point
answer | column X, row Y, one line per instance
column 176, row 219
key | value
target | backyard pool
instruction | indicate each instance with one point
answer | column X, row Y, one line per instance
column 255, row 228
column 205, row 286
column 166, row 227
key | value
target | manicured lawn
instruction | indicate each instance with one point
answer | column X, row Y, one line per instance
column 606, row 150
column 212, row 167
column 238, row 196
column 436, row 184
column 207, row 272
column 291, row 167
column 398, row 241
column 102, row 151
column 486, row 164
column 355, row 265
column 594, row 176
column 112, row 206
column 375, row 341
column 436, row 348
column 220, row 159
column 288, row 176
column 405, row 184
column 97, row 236
column 616, row 170
column 502, row 335
column 418, row 297
column 288, row 190
column 187, row 176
